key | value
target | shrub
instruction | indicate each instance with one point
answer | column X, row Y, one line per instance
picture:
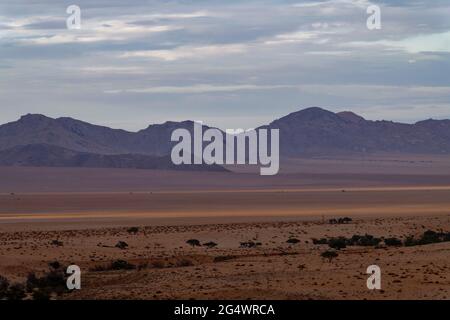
column 428, row 237
column 329, row 254
column 159, row 264
column 393, row 242
column 16, row 292
column 121, row 245
column 337, row 243
column 293, row 241
column 340, row 220
column 121, row 265
column 57, row 243
column 193, row 243
column 55, row 265
column 210, row 244
column 320, row 241
column 446, row 237
column 250, row 244
column 185, row 263
column 342, row 242
column 410, row 241
column 224, row 258
column 4, row 285
column 133, row 230
column 367, row 241
column 346, row 220
column 41, row 294
column 53, row 281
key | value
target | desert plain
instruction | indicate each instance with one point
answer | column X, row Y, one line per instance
column 252, row 237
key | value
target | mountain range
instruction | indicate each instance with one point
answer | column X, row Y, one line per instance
column 37, row 140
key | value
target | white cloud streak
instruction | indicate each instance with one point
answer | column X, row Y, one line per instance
column 200, row 88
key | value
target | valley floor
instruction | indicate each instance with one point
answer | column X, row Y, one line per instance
column 166, row 267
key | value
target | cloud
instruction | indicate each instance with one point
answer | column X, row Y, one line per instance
column 223, row 58
column 293, row 37
column 200, row 88
column 187, row 52
column 436, row 42
column 102, row 70
column 425, row 43
column 107, row 31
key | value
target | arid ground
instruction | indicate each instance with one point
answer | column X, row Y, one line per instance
column 77, row 216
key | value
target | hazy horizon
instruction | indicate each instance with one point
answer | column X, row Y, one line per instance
column 206, row 123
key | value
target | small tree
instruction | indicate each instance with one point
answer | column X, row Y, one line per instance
column 250, row 244
column 210, row 244
column 393, row 242
column 347, row 220
column 41, row 294
column 337, row 243
column 122, row 245
column 55, row 265
column 293, row 241
column 133, row 230
column 193, row 243
column 329, row 254
column 16, row 292
column 57, row 243
column 121, row 265
column 319, row 241
column 4, row 285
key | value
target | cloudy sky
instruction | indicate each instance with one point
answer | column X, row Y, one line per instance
column 232, row 64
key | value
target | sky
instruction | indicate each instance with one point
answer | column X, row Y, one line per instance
column 229, row 63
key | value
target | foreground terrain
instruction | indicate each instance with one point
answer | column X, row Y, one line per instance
column 128, row 231
column 163, row 266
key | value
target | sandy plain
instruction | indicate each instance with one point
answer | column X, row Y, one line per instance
column 89, row 211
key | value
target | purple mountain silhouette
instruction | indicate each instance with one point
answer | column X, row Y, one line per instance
column 39, row 140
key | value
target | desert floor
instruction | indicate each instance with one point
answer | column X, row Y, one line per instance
column 168, row 268
column 90, row 211
column 171, row 269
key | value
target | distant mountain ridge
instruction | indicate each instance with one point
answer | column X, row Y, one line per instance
column 39, row 140
column 85, row 137
column 315, row 131
column 43, row 155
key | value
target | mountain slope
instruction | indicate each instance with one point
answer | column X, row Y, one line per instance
column 63, row 132
column 43, row 155
column 308, row 132
column 315, row 131
column 81, row 136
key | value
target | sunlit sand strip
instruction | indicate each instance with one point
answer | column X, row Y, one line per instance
column 301, row 212
column 246, row 190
